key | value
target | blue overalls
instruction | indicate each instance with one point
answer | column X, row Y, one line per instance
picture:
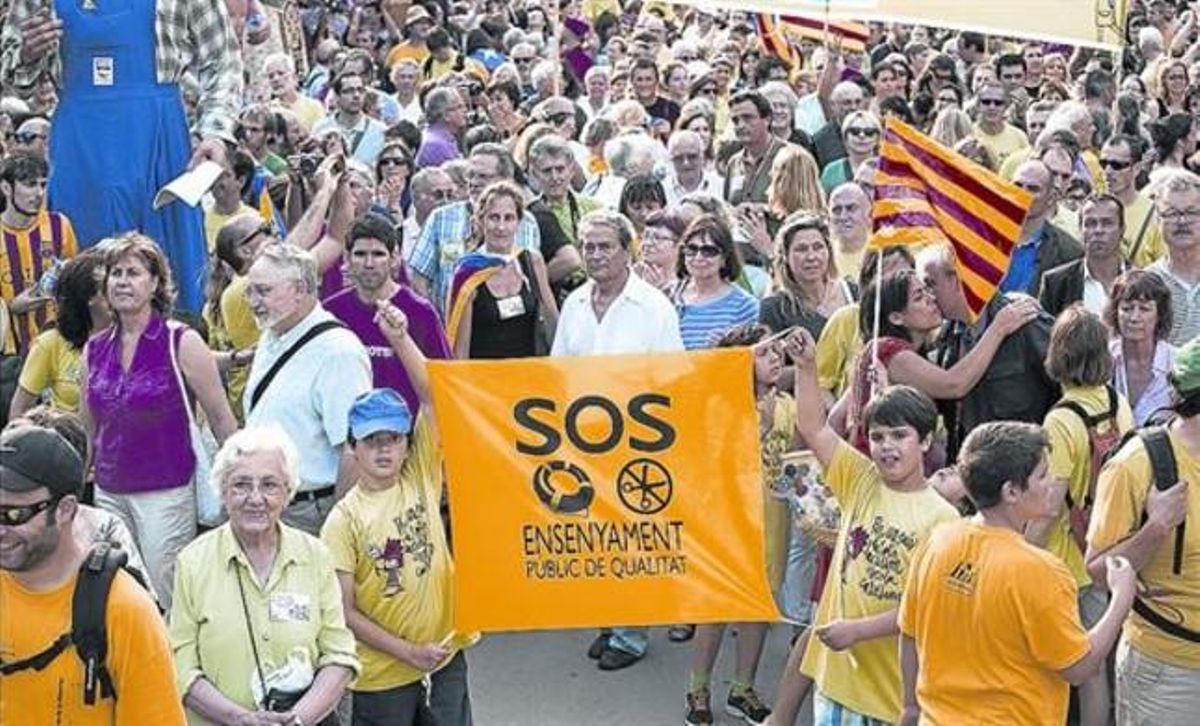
column 118, row 136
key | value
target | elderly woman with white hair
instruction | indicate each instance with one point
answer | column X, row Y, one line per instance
column 257, row 627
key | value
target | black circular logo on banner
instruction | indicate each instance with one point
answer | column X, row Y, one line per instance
column 554, row 499
column 644, row 486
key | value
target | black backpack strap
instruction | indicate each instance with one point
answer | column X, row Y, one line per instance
column 313, row 332
column 1089, row 422
column 40, row 661
column 88, row 611
column 1165, row 471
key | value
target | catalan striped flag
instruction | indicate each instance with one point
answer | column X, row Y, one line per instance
column 472, row 270
column 926, row 193
column 854, row 35
column 773, row 41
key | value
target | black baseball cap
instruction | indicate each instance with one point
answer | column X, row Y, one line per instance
column 34, row 456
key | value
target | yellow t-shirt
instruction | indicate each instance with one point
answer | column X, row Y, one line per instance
column 849, row 263
column 775, row 444
column 308, row 110
column 880, row 528
column 214, row 221
column 241, row 331
column 837, row 350
column 52, row 364
column 1152, row 248
column 404, row 50
column 994, row 619
column 1070, row 460
column 1004, row 144
column 394, row 544
column 139, row 659
column 1120, row 501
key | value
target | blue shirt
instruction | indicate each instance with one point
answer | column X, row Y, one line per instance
column 701, row 325
column 1023, row 266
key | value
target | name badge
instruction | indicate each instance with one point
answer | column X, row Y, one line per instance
column 290, row 607
column 103, row 72
column 511, row 307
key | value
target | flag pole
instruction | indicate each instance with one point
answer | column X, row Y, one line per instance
column 877, row 302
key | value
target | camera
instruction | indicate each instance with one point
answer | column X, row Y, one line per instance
column 304, row 164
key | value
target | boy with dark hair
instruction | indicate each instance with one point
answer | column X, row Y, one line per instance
column 887, row 509
column 989, row 623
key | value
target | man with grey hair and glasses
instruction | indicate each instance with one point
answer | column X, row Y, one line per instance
column 307, row 371
column 1178, row 207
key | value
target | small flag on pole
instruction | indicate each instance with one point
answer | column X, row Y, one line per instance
column 773, row 41
column 926, row 193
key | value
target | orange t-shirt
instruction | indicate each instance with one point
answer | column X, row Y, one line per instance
column 139, row 660
column 994, row 619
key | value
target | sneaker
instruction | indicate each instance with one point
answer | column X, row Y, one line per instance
column 596, row 649
column 614, row 659
column 698, row 709
column 747, row 706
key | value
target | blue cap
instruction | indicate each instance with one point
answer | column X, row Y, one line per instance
column 381, row 409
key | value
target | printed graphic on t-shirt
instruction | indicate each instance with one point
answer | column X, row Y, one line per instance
column 412, row 528
column 883, row 548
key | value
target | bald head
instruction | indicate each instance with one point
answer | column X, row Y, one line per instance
column 850, row 211
column 1034, row 177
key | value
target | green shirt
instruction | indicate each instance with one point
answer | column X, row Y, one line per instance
column 296, row 616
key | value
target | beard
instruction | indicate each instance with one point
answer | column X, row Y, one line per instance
column 31, row 552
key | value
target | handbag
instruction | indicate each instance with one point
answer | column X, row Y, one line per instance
column 274, row 700
column 209, row 511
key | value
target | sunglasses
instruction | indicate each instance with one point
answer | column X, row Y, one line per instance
column 1115, row 164
column 393, row 161
column 558, row 119
column 27, row 137
column 863, row 131
column 522, row 61
column 15, row 516
column 996, row 102
column 707, row 91
column 263, row 228
column 707, row 251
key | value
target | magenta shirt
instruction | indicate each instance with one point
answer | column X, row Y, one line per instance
column 424, row 326
column 142, row 442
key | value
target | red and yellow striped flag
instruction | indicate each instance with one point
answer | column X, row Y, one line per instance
column 773, row 41
column 854, row 35
column 926, row 193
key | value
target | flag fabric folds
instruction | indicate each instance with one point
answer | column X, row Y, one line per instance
column 926, row 193
column 612, row 490
column 471, row 271
column 776, row 33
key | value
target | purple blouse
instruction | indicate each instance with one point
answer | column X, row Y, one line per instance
column 142, row 440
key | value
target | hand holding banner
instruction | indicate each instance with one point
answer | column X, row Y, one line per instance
column 614, row 490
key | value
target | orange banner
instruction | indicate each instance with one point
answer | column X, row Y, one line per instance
column 596, row 491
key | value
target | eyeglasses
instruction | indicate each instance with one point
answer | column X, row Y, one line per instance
column 558, row 119
column 268, row 488
column 706, row 251
column 15, row 516
column 656, row 240
column 441, row 195
column 862, row 131
column 1179, row 215
column 393, row 161
column 522, row 61
column 27, row 137
column 993, row 102
column 264, row 228
column 1115, row 164
column 707, row 91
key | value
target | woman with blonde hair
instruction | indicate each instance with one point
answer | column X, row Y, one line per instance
column 795, row 187
column 499, row 317
column 1172, row 86
column 951, row 126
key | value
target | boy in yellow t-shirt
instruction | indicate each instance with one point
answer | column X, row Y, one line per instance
column 393, row 562
column 887, row 510
column 989, row 623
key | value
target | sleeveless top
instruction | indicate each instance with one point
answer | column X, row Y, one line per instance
column 514, row 337
column 142, row 440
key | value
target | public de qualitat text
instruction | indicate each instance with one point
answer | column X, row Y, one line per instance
column 591, row 549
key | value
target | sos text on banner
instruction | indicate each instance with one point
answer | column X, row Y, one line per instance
column 594, row 491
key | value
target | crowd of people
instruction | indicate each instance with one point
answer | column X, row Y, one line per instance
column 219, row 433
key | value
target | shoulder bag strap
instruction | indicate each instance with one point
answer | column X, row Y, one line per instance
column 1137, row 243
column 173, row 344
column 313, row 332
column 250, row 629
